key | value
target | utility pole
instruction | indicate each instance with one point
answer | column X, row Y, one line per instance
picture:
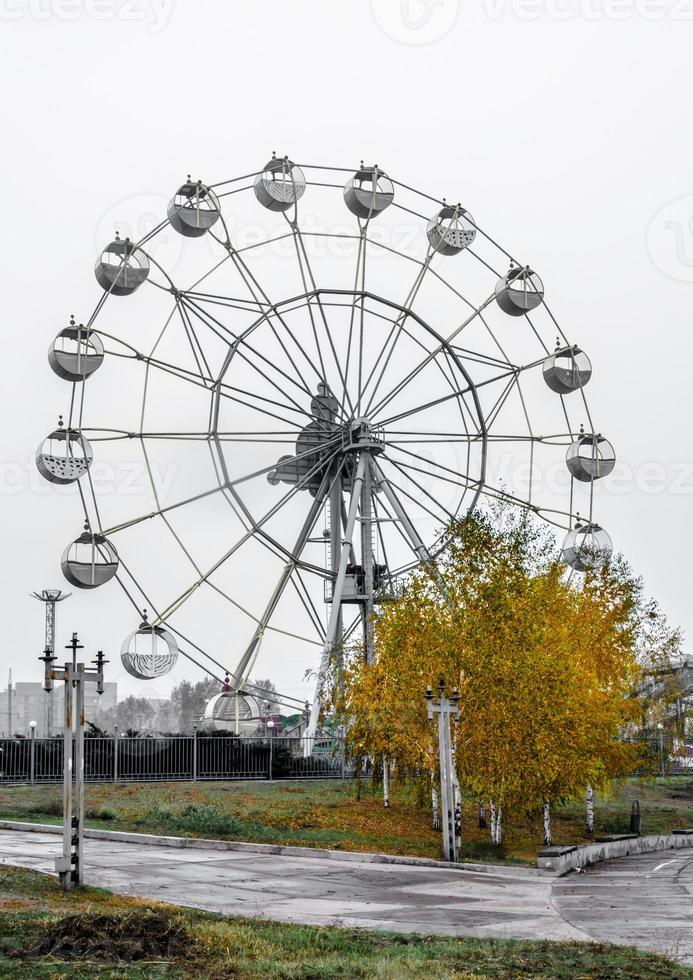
column 50, row 597
column 75, row 676
column 446, row 709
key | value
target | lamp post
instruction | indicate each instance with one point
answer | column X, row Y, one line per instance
column 32, row 752
column 660, row 729
column 270, row 733
column 446, row 709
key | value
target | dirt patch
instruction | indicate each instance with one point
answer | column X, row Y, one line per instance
column 141, row 935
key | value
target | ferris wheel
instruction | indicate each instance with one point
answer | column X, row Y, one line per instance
column 332, row 368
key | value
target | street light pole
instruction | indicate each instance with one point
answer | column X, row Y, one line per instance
column 32, row 760
column 660, row 729
column 270, row 734
column 75, row 676
column 446, row 709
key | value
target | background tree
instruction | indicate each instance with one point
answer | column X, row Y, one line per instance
column 265, row 700
column 189, row 701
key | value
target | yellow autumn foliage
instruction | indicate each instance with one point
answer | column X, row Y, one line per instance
column 547, row 668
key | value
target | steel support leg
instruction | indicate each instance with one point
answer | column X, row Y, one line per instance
column 367, row 561
column 335, row 611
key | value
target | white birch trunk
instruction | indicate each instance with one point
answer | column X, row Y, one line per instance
column 548, row 839
column 499, row 826
column 494, row 821
column 456, row 795
column 589, row 814
column 386, row 783
column 434, row 806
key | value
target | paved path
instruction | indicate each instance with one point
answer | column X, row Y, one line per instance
column 406, row 898
column 645, row 901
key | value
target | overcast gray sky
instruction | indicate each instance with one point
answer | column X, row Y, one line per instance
column 563, row 127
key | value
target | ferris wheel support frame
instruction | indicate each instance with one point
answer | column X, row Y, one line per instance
column 337, row 594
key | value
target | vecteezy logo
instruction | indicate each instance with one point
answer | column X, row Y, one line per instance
column 415, row 21
column 670, row 239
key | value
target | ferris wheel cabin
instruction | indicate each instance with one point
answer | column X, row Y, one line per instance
column 519, row 291
column 193, row 209
column 451, row 230
column 368, row 192
column 280, row 185
column 90, row 561
column 75, row 353
column 64, row 456
column 121, row 268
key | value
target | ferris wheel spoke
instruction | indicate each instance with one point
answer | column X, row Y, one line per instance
column 398, row 326
column 242, row 348
column 322, row 493
column 260, row 436
column 387, row 398
column 391, row 341
column 194, row 341
column 269, row 628
column 346, row 397
column 359, row 257
column 447, row 515
column 304, row 260
column 233, row 341
column 467, row 390
column 273, row 307
column 235, row 303
column 256, row 528
column 496, row 408
column 226, row 485
column 308, row 283
column 308, row 604
column 455, row 477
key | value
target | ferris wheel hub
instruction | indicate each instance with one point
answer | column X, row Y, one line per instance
column 361, row 435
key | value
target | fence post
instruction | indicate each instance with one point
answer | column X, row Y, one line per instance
column 115, row 754
column 194, row 754
column 32, row 754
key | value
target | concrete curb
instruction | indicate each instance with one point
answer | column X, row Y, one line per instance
column 288, row 850
column 579, row 857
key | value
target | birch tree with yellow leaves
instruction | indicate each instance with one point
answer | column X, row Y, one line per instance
column 547, row 667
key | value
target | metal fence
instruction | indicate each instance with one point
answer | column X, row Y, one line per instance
column 181, row 757
column 220, row 757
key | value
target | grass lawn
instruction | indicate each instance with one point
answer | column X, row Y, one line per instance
column 327, row 814
column 91, row 933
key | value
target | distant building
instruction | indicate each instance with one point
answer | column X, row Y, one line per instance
column 29, row 702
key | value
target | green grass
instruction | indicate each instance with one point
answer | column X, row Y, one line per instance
column 91, row 933
column 328, row 814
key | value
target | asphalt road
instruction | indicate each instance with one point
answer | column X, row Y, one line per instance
column 645, row 901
